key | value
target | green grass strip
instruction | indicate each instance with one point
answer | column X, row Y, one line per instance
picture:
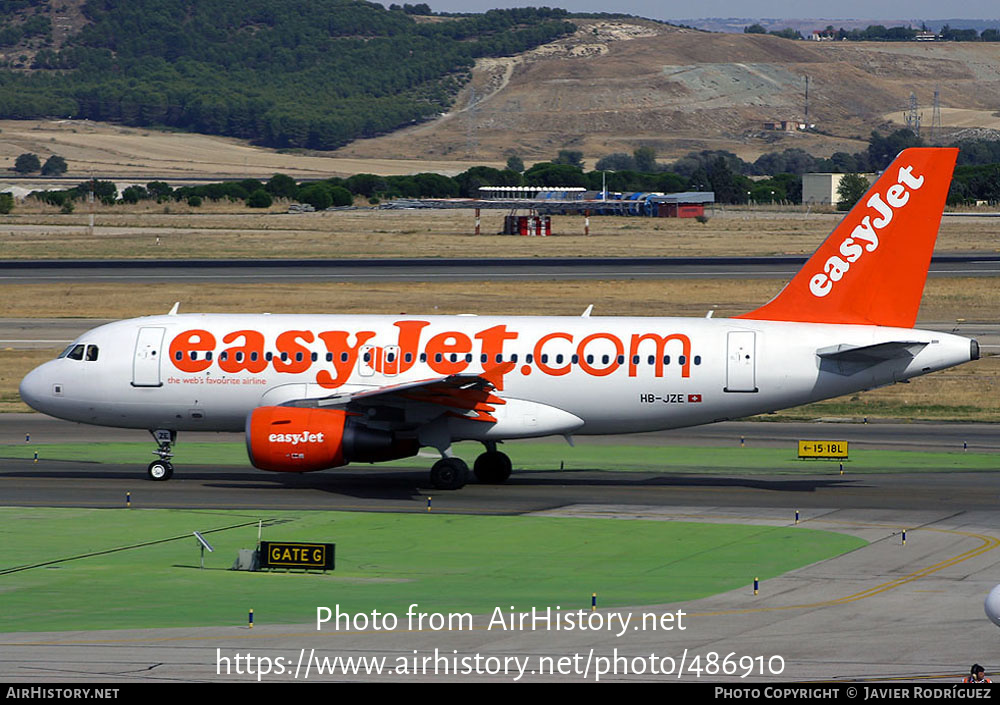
column 549, row 456
column 385, row 562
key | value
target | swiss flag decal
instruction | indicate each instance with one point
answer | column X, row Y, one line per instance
column 694, row 398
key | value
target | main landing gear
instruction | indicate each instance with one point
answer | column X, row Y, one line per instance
column 490, row 468
column 449, row 474
column 161, row 470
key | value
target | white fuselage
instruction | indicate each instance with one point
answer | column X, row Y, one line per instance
column 570, row 375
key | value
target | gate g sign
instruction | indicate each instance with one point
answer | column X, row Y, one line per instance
column 286, row 554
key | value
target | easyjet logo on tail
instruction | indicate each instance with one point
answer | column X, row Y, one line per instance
column 865, row 236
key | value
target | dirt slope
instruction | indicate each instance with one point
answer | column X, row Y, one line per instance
column 614, row 86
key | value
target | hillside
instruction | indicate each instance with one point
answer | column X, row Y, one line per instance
column 309, row 73
column 616, row 85
column 611, row 85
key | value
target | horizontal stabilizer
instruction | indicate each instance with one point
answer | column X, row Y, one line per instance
column 871, row 354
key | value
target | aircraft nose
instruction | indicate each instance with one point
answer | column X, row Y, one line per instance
column 33, row 388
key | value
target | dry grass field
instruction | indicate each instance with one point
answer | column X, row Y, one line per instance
column 228, row 231
column 945, row 299
column 143, row 153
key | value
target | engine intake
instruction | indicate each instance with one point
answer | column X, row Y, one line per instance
column 292, row 439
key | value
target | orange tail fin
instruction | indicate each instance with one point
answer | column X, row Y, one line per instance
column 872, row 268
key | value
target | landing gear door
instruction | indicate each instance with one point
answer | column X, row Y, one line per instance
column 146, row 363
column 741, row 369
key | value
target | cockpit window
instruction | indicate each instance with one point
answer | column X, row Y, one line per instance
column 76, row 353
column 65, row 352
column 91, row 353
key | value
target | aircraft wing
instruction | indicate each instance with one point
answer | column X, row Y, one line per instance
column 467, row 396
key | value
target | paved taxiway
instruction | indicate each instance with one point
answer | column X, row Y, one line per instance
column 442, row 269
column 899, row 436
column 885, row 611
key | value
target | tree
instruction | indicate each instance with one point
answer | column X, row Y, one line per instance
column 281, row 186
column 546, row 174
column 786, row 33
column 882, row 150
column 470, row 180
column 341, row 196
column 27, row 163
column 104, row 191
column 617, row 161
column 515, row 163
column 755, row 29
column 699, row 181
column 160, row 190
column 134, row 194
column 645, row 159
column 729, row 187
column 365, row 184
column 569, row 156
column 6, row 203
column 316, row 195
column 54, row 166
column 850, row 190
column 259, row 199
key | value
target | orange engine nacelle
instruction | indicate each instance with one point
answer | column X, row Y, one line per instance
column 292, row 439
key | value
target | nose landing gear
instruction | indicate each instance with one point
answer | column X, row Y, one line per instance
column 161, row 470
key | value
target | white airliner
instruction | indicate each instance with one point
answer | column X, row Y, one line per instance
column 319, row 391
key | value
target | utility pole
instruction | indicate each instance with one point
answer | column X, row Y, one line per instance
column 936, row 117
column 911, row 116
column 90, row 200
column 807, row 103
